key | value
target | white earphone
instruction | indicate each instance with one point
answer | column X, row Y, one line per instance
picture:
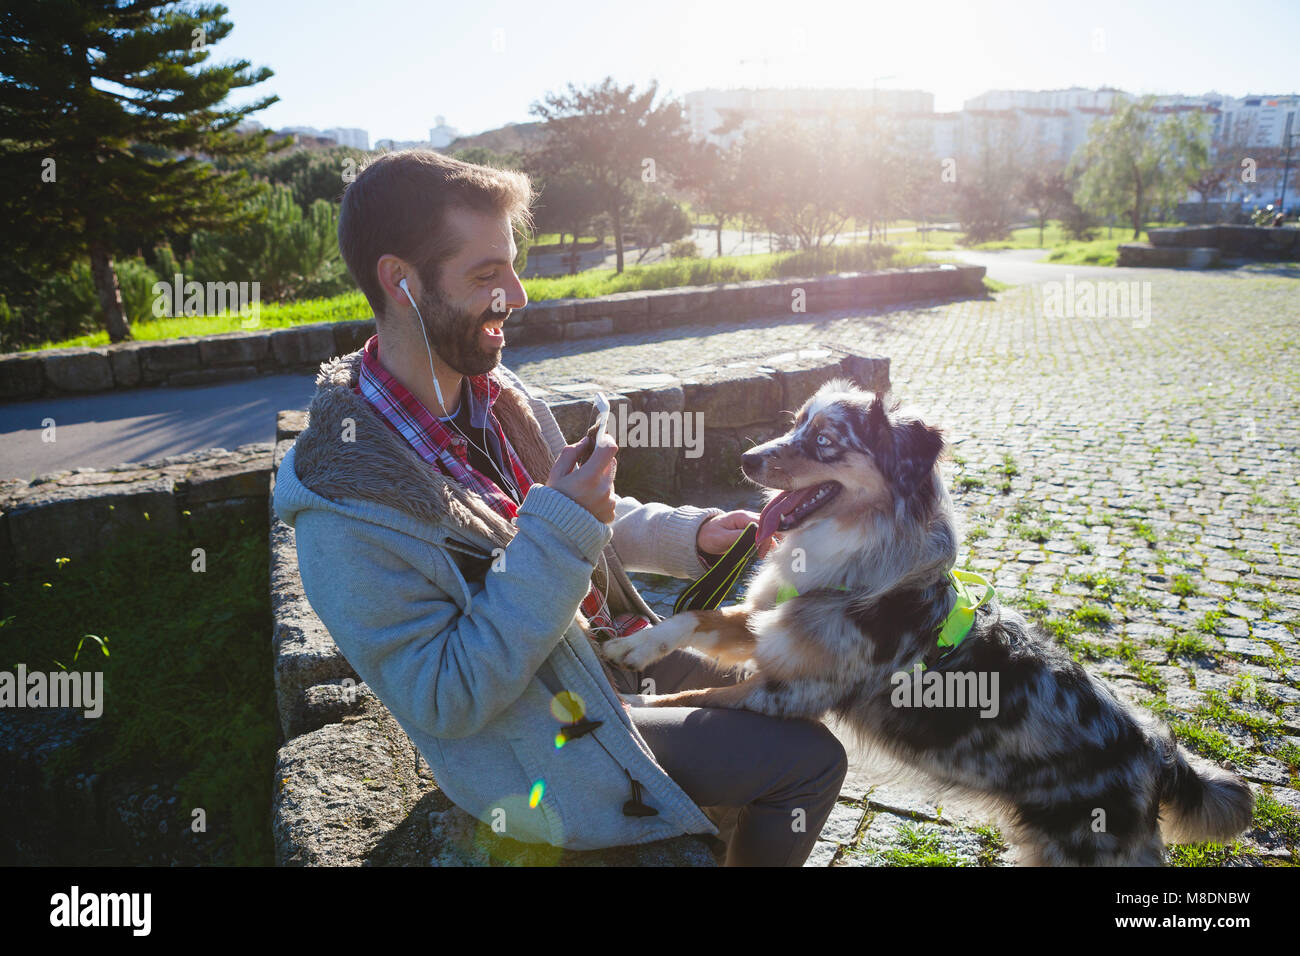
column 510, row 485
column 603, row 598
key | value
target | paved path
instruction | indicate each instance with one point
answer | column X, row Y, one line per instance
column 1136, row 486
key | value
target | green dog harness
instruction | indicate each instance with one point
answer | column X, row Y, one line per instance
column 961, row 618
column 709, row 591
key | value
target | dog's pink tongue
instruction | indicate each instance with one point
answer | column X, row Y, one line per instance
column 769, row 519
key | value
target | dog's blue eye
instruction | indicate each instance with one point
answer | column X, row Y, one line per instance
column 823, row 441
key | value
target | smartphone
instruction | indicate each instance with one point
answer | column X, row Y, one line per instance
column 596, row 430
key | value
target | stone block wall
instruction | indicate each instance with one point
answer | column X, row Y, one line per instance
column 239, row 355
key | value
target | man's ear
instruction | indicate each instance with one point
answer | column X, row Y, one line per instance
column 391, row 270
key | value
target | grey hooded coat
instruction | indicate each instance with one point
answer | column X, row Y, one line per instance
column 466, row 625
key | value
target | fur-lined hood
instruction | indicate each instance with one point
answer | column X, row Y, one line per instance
column 349, row 461
column 348, row 452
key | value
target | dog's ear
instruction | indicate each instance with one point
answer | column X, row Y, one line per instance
column 917, row 447
column 877, row 417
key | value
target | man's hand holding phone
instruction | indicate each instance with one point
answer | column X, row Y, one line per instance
column 591, row 483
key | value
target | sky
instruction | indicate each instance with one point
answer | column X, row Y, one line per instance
column 391, row 66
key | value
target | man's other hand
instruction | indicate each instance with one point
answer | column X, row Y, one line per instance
column 718, row 533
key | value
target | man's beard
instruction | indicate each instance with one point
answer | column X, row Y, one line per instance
column 454, row 334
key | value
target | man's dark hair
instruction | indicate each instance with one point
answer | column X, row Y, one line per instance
column 398, row 205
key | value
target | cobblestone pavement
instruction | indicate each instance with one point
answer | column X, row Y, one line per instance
column 1131, row 482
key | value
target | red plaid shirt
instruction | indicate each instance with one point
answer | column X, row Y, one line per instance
column 446, row 449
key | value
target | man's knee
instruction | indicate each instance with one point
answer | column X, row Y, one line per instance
column 835, row 759
column 822, row 758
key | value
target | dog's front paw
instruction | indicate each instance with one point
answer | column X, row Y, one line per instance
column 636, row 700
column 635, row 651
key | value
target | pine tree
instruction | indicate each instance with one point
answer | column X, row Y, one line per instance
column 108, row 123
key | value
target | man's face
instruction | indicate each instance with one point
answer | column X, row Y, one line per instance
column 479, row 288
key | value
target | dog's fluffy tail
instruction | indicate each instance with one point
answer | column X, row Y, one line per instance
column 1200, row 801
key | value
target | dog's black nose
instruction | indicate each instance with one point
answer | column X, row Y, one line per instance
column 750, row 460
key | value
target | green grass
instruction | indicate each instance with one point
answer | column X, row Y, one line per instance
column 1103, row 585
column 1092, row 616
column 1277, row 818
column 1207, row 854
column 992, row 844
column 1183, row 586
column 1144, row 531
column 1196, row 735
column 684, row 272
column 188, row 683
column 1034, row 604
column 1031, row 522
column 1219, row 708
column 1186, row 645
column 543, row 239
column 1209, row 622
column 595, row 282
column 920, row 848
column 1289, row 754
column 1058, row 246
column 339, row 308
column 1098, row 252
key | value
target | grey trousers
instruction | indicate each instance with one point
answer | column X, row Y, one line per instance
column 768, row 783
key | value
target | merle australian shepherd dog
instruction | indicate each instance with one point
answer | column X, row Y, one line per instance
column 867, row 540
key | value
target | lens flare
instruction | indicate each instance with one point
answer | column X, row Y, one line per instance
column 567, row 707
column 535, row 795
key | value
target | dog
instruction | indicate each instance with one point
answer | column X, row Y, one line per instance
column 846, row 610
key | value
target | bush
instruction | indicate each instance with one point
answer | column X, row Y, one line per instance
column 290, row 254
column 65, row 305
column 1077, row 223
column 683, row 249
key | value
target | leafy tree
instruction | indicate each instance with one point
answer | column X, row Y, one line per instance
column 566, row 204
column 615, row 139
column 1135, row 158
column 796, row 179
column 483, row 156
column 321, row 174
column 988, row 183
column 711, row 175
column 108, row 120
column 290, row 254
column 877, row 171
column 65, row 304
column 657, row 219
column 1045, row 190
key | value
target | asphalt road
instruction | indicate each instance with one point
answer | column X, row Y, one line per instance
column 109, row 428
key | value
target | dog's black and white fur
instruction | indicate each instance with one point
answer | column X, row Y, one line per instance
column 1079, row 776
